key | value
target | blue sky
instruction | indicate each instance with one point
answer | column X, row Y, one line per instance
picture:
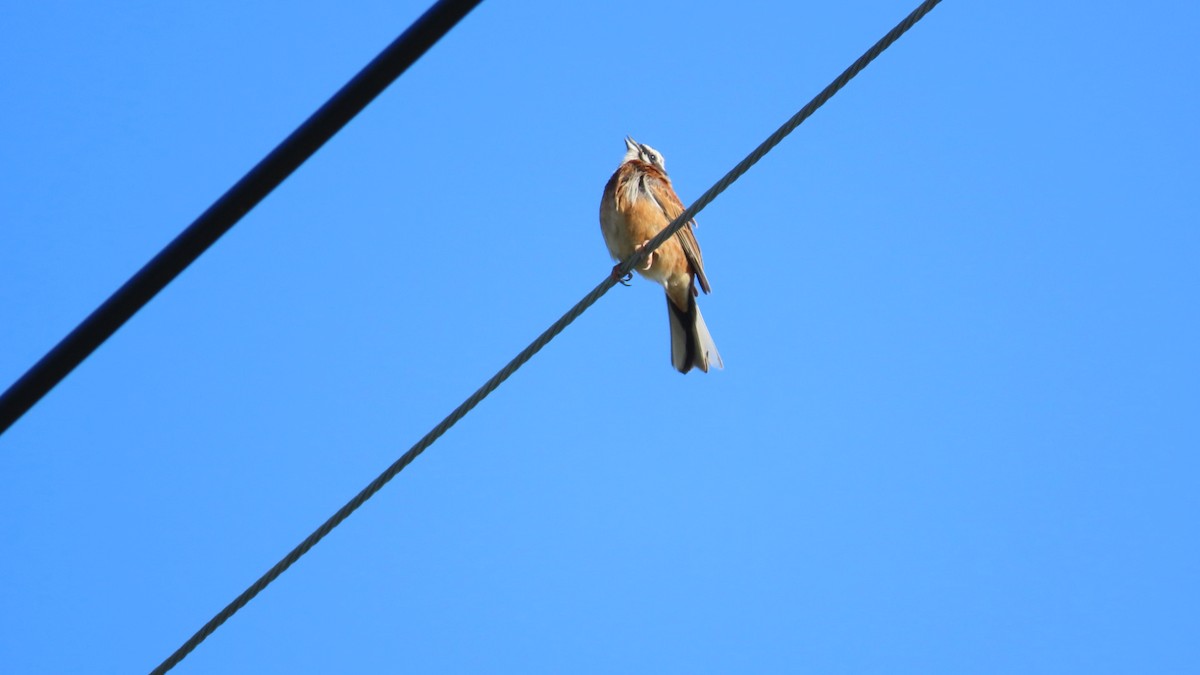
column 957, row 430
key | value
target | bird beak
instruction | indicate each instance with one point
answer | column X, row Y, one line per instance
column 631, row 144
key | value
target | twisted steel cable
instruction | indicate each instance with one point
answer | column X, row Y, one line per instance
column 549, row 334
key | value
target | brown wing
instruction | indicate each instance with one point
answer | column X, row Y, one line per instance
column 660, row 188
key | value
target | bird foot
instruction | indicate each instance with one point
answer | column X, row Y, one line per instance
column 616, row 273
column 649, row 258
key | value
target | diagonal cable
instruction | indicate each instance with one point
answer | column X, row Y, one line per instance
column 543, row 339
column 230, row 207
column 780, row 133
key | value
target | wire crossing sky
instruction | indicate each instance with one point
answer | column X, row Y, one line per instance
column 230, row 208
column 544, row 339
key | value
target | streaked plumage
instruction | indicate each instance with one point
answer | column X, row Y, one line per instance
column 638, row 203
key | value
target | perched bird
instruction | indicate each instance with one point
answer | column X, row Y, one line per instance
column 638, row 203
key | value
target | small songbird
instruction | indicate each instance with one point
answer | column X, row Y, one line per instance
column 638, row 203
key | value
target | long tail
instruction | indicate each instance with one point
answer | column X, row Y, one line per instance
column 691, row 344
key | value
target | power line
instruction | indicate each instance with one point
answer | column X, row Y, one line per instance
column 545, row 338
column 230, row 207
column 774, row 139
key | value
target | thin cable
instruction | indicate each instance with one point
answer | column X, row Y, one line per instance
column 774, row 139
column 541, row 341
column 229, row 209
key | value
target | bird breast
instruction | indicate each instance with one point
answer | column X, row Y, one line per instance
column 633, row 188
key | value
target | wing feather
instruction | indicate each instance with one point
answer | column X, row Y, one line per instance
column 659, row 187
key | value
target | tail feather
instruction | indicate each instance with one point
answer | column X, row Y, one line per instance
column 691, row 344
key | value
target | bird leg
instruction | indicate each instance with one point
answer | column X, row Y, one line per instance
column 616, row 273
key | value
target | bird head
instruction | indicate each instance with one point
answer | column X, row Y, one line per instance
column 645, row 153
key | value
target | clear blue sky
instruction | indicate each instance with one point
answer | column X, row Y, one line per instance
column 957, row 431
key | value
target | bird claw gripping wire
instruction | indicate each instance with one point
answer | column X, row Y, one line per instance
column 616, row 273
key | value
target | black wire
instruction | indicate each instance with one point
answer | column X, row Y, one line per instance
column 229, row 209
column 542, row 340
column 639, row 257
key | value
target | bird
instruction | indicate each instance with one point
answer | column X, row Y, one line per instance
column 638, row 202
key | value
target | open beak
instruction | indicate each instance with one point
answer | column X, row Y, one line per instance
column 631, row 144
